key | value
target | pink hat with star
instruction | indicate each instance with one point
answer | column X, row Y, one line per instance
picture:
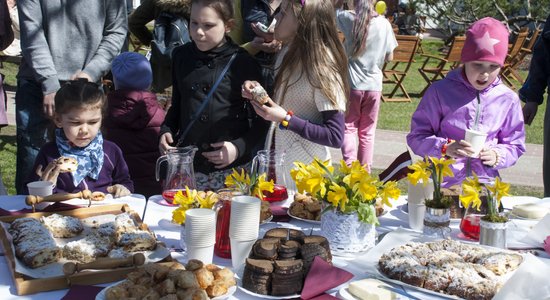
column 486, row 40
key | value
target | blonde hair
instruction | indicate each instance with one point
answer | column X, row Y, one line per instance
column 315, row 51
column 363, row 14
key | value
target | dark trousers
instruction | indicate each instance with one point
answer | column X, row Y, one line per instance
column 32, row 128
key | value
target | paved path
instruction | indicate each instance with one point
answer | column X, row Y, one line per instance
column 389, row 144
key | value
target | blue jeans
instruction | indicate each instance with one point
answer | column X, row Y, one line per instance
column 32, row 128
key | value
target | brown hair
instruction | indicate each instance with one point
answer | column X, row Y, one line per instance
column 77, row 94
column 315, row 51
column 224, row 8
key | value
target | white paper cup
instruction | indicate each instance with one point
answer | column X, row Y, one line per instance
column 245, row 217
column 200, row 227
column 476, row 139
column 418, row 193
column 240, row 251
column 40, row 188
column 203, row 254
column 416, row 216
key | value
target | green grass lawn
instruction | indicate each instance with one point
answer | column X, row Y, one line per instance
column 393, row 116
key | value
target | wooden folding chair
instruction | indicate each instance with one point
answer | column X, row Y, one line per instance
column 451, row 60
column 510, row 70
column 395, row 74
column 136, row 44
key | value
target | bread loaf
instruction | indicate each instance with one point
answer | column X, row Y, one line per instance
column 34, row 244
column 62, row 226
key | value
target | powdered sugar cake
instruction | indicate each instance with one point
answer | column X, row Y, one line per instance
column 450, row 267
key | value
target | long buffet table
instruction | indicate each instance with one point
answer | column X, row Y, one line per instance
column 156, row 214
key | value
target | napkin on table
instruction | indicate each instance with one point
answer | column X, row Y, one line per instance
column 322, row 277
column 547, row 244
column 82, row 292
column 538, row 234
column 4, row 212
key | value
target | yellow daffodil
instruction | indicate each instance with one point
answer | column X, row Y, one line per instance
column 442, row 166
column 337, row 196
column 473, row 182
column 236, row 179
column 367, row 188
column 178, row 215
column 470, row 196
column 185, row 199
column 390, row 190
column 499, row 189
column 262, row 186
column 421, row 172
column 208, row 201
column 356, row 173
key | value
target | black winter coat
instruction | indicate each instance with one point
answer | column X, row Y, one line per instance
column 228, row 117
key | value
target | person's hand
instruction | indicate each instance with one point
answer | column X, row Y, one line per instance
column 164, row 142
column 81, row 74
column 247, row 87
column 50, row 173
column 271, row 111
column 260, row 44
column 224, row 155
column 118, row 190
column 529, row 112
column 459, row 149
column 49, row 105
column 489, row 157
column 267, row 36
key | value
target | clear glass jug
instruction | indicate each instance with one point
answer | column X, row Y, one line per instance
column 272, row 163
column 179, row 171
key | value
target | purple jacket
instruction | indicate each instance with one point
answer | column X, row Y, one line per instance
column 114, row 170
column 133, row 122
column 449, row 107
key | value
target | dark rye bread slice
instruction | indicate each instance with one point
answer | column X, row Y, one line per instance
column 265, row 249
column 289, row 247
column 283, row 233
column 288, row 266
column 282, row 285
column 261, row 266
column 259, row 284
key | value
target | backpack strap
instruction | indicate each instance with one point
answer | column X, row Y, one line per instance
column 195, row 116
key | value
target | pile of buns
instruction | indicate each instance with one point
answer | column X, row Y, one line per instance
column 174, row 281
column 279, row 263
column 465, row 270
column 305, row 207
column 36, row 245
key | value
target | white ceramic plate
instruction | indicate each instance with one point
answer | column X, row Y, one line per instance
column 510, row 202
column 267, row 220
column 302, row 219
column 102, row 294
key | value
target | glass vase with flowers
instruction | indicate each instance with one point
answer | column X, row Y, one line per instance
column 349, row 195
column 437, row 215
column 492, row 226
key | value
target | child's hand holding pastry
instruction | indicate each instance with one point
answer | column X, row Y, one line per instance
column 50, row 173
column 118, row 190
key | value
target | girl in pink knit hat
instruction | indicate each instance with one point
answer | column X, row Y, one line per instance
column 472, row 97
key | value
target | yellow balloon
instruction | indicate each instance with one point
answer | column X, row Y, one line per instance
column 380, row 7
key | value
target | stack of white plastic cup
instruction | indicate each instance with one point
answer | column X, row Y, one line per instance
column 243, row 227
column 416, row 207
column 200, row 234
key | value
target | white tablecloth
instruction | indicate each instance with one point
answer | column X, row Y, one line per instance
column 158, row 215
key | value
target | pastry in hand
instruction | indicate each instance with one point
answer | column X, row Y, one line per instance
column 67, row 164
column 259, row 94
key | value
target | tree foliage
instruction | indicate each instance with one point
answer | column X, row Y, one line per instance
column 453, row 16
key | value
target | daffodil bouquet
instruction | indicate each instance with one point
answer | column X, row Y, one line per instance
column 347, row 188
column 191, row 199
column 254, row 186
column 472, row 189
column 436, row 169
